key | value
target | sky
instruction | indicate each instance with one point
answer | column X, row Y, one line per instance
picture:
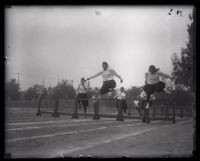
column 45, row 44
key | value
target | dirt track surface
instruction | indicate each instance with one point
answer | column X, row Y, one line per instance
column 31, row 136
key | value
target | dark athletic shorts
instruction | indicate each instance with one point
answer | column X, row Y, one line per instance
column 151, row 88
column 85, row 103
column 107, row 86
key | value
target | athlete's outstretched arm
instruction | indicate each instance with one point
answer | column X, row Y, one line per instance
column 94, row 76
column 117, row 75
column 146, row 78
column 165, row 75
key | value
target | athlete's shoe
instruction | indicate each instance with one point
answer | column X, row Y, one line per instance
column 111, row 90
column 147, row 106
column 167, row 91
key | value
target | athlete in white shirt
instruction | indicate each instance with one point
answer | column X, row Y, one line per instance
column 82, row 96
column 153, row 83
column 108, row 75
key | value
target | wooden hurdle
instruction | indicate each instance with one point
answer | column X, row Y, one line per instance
column 119, row 111
column 40, row 91
column 96, row 106
column 75, row 115
column 169, row 105
column 56, row 113
column 39, row 105
column 119, row 116
column 96, row 103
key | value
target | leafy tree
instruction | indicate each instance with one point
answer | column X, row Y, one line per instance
column 64, row 90
column 12, row 89
column 134, row 92
column 184, row 68
column 31, row 93
column 181, row 97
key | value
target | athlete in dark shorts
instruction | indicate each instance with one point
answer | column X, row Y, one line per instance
column 153, row 83
column 108, row 78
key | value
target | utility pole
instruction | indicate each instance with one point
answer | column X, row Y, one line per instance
column 18, row 77
column 58, row 81
column 72, row 82
column 43, row 81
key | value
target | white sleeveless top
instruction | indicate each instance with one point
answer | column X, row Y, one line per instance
column 81, row 89
column 108, row 74
column 152, row 78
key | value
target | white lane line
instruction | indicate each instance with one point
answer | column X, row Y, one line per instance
column 104, row 141
column 181, row 122
column 50, row 135
column 88, row 122
column 65, row 125
column 116, row 138
column 43, row 122
column 63, row 133
column 157, row 121
column 73, row 132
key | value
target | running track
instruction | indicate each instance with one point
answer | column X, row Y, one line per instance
column 31, row 136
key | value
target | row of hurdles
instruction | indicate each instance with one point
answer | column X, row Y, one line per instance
column 144, row 115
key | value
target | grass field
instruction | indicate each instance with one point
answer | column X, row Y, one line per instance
column 31, row 136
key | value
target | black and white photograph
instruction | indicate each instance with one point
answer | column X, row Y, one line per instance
column 100, row 81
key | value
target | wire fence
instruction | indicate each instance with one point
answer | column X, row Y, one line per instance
column 106, row 106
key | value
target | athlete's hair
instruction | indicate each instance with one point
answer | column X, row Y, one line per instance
column 104, row 62
column 153, row 69
column 83, row 79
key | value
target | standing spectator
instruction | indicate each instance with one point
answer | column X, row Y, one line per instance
column 82, row 90
column 121, row 96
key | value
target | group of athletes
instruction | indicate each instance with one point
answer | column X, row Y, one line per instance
column 152, row 85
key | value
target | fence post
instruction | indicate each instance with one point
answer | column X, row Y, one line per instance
column 173, row 114
column 167, row 112
column 129, row 109
column 120, row 111
column 39, row 105
column 96, row 109
column 162, row 109
column 75, row 115
column 181, row 111
column 55, row 113
column 154, row 111
column 147, row 115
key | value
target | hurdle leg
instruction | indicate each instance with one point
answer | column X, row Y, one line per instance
column 120, row 111
column 75, row 115
column 147, row 115
column 173, row 114
column 85, row 111
column 55, row 113
column 129, row 110
column 144, row 116
column 143, row 110
column 181, row 112
column 162, row 110
column 96, row 110
column 154, row 111
column 39, row 105
column 167, row 112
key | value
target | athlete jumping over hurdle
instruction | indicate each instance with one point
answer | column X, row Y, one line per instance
column 108, row 78
column 153, row 83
